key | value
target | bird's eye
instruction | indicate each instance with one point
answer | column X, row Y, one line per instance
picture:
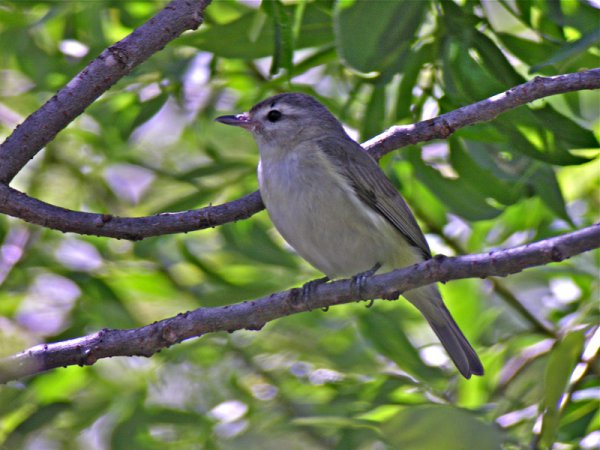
column 274, row 115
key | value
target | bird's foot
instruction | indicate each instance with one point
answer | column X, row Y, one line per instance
column 308, row 289
column 358, row 281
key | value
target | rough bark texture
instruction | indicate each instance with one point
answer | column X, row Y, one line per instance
column 253, row 315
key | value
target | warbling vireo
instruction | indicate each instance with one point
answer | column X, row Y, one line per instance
column 333, row 204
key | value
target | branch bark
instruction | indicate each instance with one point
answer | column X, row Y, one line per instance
column 443, row 126
column 253, row 315
column 17, row 204
column 117, row 61
column 113, row 63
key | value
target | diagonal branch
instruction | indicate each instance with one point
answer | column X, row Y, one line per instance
column 17, row 204
column 253, row 315
column 445, row 125
column 113, row 63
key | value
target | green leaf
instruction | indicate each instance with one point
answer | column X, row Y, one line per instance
column 524, row 7
column 129, row 432
column 571, row 50
column 374, row 118
column 550, row 20
column 42, row 417
column 384, row 332
column 211, row 274
column 427, row 427
column 59, row 386
column 332, row 422
column 583, row 16
column 563, row 358
column 376, row 36
column 162, row 415
column 456, row 194
column 581, row 417
column 9, row 399
column 148, row 109
column 410, row 74
column 323, row 55
column 570, row 135
column 508, row 179
column 217, row 168
column 528, row 51
column 194, row 200
column 529, row 136
column 595, row 421
column 495, row 62
column 465, row 78
column 480, row 177
column 253, row 35
column 459, row 21
column 252, row 240
column 547, row 188
column 283, row 35
column 101, row 306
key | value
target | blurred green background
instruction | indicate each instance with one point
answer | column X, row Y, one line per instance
column 352, row 377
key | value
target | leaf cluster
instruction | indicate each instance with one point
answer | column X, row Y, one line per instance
column 352, row 377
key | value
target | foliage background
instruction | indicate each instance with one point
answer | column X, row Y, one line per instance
column 352, row 377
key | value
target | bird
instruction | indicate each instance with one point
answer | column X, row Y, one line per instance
column 331, row 202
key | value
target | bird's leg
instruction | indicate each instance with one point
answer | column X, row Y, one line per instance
column 358, row 281
column 308, row 289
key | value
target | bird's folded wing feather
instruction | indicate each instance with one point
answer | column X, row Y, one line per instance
column 373, row 187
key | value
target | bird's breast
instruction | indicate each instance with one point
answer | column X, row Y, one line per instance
column 317, row 212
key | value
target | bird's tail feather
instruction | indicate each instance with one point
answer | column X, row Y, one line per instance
column 429, row 301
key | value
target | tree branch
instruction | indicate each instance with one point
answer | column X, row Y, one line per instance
column 445, row 125
column 253, row 315
column 17, row 204
column 539, row 324
column 113, row 63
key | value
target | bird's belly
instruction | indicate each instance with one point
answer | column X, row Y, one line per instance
column 330, row 227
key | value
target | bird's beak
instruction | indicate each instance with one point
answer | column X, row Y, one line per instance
column 239, row 120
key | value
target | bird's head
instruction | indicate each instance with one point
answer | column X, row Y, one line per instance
column 285, row 120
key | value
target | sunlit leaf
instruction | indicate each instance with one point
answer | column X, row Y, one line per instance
column 459, row 196
column 410, row 74
column 563, row 358
column 426, row 427
column 42, row 416
column 384, row 332
column 375, row 36
column 483, row 178
column 375, row 113
column 283, row 35
column 570, row 50
column 546, row 185
column 242, row 39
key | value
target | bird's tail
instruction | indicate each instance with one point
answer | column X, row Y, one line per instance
column 429, row 301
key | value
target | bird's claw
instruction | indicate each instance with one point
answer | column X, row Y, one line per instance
column 358, row 281
column 308, row 289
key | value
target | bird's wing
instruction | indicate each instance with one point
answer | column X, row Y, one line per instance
column 373, row 187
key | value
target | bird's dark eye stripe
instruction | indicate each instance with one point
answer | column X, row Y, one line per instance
column 274, row 115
